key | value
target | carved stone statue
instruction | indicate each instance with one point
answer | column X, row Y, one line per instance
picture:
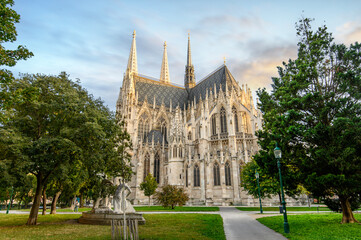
column 118, row 199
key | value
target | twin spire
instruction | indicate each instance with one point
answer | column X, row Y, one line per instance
column 132, row 61
column 164, row 71
column 189, row 79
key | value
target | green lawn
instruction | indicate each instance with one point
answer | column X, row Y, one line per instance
column 158, row 226
column 58, row 210
column 144, row 209
column 315, row 226
column 276, row 209
column 176, row 209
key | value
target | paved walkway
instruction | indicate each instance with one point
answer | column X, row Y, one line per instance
column 241, row 226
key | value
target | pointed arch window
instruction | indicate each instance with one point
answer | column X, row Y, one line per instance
column 156, row 166
column 163, row 128
column 190, row 136
column 196, row 176
column 146, row 165
column 244, row 122
column 214, row 124
column 227, row 174
column 223, row 120
column 234, row 111
column 143, row 127
column 216, row 175
column 175, row 152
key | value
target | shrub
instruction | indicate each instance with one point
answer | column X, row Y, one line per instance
column 334, row 204
column 171, row 196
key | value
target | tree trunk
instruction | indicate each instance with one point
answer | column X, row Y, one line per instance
column 44, row 201
column 347, row 215
column 81, row 200
column 53, row 203
column 148, row 201
column 33, row 217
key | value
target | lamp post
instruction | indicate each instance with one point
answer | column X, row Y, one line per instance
column 11, row 198
column 259, row 192
column 278, row 155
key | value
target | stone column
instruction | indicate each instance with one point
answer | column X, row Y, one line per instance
column 202, row 178
column 235, row 180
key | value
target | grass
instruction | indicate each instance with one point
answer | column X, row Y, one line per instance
column 158, row 226
column 144, row 209
column 176, row 209
column 315, row 226
column 276, row 209
column 58, row 210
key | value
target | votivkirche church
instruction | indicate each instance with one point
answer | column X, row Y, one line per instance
column 196, row 136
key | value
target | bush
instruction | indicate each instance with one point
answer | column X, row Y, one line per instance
column 171, row 196
column 334, row 204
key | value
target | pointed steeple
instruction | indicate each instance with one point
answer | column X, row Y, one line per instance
column 189, row 79
column 132, row 61
column 164, row 72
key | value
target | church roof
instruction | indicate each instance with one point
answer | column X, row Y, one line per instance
column 162, row 92
column 166, row 93
column 218, row 78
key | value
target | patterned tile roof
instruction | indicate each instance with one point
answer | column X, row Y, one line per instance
column 164, row 93
column 219, row 77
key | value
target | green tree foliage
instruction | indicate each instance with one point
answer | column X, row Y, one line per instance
column 149, row 186
column 8, row 19
column 171, row 196
column 269, row 185
column 58, row 131
column 313, row 112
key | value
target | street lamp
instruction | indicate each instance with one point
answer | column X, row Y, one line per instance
column 11, row 199
column 259, row 192
column 278, row 155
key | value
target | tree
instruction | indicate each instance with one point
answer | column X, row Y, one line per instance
column 8, row 18
column 149, row 186
column 269, row 184
column 313, row 112
column 58, row 125
column 171, row 196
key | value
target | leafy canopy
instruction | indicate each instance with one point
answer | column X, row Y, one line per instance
column 313, row 112
column 8, row 19
column 149, row 185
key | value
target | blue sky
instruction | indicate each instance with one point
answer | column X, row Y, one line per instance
column 90, row 39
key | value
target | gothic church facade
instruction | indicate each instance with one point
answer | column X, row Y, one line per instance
column 196, row 137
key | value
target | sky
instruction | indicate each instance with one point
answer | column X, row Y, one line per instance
column 91, row 39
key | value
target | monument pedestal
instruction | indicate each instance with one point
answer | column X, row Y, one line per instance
column 104, row 216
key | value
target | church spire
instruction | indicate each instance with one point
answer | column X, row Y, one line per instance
column 189, row 79
column 132, row 62
column 164, row 72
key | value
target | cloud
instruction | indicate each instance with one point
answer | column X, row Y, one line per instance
column 257, row 72
column 348, row 32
